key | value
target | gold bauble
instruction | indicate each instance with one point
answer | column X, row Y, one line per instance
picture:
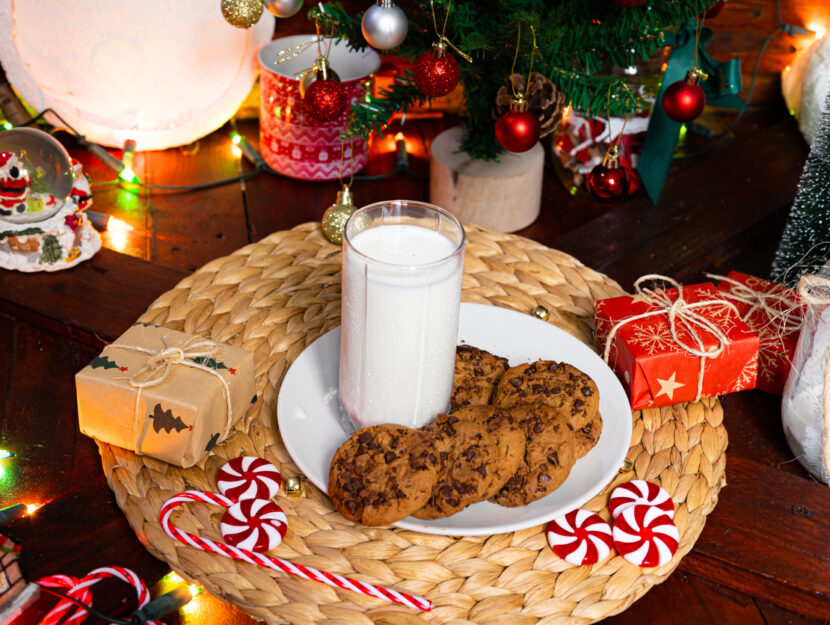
column 540, row 312
column 336, row 215
column 242, row 13
column 293, row 486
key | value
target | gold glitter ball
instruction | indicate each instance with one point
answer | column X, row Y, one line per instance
column 337, row 214
column 293, row 486
column 540, row 312
column 242, row 13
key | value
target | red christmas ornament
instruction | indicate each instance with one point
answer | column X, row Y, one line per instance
column 713, row 10
column 609, row 180
column 325, row 100
column 684, row 100
column 630, row 3
column 518, row 129
column 436, row 71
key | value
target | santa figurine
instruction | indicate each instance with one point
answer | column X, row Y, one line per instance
column 15, row 184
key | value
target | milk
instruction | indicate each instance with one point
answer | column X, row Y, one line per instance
column 401, row 298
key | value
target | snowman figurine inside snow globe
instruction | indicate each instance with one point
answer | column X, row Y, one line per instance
column 43, row 194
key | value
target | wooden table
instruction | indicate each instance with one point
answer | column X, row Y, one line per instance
column 764, row 556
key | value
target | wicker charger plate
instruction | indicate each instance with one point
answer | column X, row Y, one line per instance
column 277, row 296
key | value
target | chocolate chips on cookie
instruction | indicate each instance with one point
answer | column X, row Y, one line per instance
column 476, row 373
column 382, row 474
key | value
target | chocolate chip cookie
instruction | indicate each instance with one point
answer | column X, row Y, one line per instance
column 548, row 457
column 467, row 474
column 476, row 373
column 382, row 474
column 510, row 437
column 555, row 384
column 588, row 436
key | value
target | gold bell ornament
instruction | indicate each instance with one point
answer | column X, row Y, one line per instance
column 336, row 215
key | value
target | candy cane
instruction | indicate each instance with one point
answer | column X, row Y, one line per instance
column 277, row 564
column 79, row 590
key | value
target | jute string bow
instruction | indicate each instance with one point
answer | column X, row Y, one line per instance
column 159, row 365
column 815, row 291
column 678, row 311
column 777, row 306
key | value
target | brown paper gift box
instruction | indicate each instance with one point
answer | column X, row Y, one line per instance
column 177, row 419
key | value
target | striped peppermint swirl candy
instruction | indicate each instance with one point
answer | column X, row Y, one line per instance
column 639, row 492
column 68, row 612
column 580, row 537
column 255, row 524
column 277, row 564
column 248, row 477
column 645, row 535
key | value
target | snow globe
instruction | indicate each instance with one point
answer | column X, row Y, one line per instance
column 43, row 196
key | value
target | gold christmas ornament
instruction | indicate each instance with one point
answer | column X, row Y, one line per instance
column 242, row 13
column 627, row 466
column 293, row 486
column 336, row 215
column 540, row 312
column 543, row 99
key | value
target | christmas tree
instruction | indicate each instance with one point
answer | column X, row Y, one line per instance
column 805, row 243
column 581, row 46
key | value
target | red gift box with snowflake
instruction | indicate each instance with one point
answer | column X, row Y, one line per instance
column 774, row 312
column 676, row 344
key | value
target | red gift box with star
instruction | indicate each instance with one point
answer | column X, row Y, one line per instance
column 164, row 393
column 676, row 345
column 774, row 312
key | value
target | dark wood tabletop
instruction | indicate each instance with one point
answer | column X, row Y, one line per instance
column 764, row 555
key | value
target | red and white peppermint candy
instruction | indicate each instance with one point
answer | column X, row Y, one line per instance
column 639, row 492
column 255, row 524
column 249, row 477
column 645, row 535
column 580, row 537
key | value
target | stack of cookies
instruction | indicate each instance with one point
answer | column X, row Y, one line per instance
column 512, row 437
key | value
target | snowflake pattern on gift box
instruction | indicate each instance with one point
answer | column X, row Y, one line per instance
column 654, row 338
column 773, row 356
column 747, row 377
column 724, row 316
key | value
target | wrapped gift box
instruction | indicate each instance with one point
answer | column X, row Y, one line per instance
column 774, row 312
column 654, row 367
column 164, row 393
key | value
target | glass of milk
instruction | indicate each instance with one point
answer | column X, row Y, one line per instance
column 402, row 267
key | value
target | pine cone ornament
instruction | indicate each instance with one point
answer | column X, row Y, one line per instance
column 544, row 100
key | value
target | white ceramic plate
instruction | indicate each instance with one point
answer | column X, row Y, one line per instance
column 308, row 416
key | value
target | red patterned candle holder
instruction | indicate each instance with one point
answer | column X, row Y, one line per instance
column 292, row 142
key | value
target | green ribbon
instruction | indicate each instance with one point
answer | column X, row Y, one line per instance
column 722, row 89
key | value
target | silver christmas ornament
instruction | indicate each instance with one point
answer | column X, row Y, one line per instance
column 384, row 25
column 283, row 8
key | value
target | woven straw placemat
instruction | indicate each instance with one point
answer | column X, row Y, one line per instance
column 277, row 296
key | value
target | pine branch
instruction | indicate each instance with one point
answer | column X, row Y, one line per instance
column 580, row 43
column 374, row 113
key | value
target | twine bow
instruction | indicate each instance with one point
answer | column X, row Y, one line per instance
column 815, row 291
column 159, row 365
column 758, row 300
column 678, row 311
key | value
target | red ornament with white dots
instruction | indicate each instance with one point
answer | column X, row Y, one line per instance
column 436, row 71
